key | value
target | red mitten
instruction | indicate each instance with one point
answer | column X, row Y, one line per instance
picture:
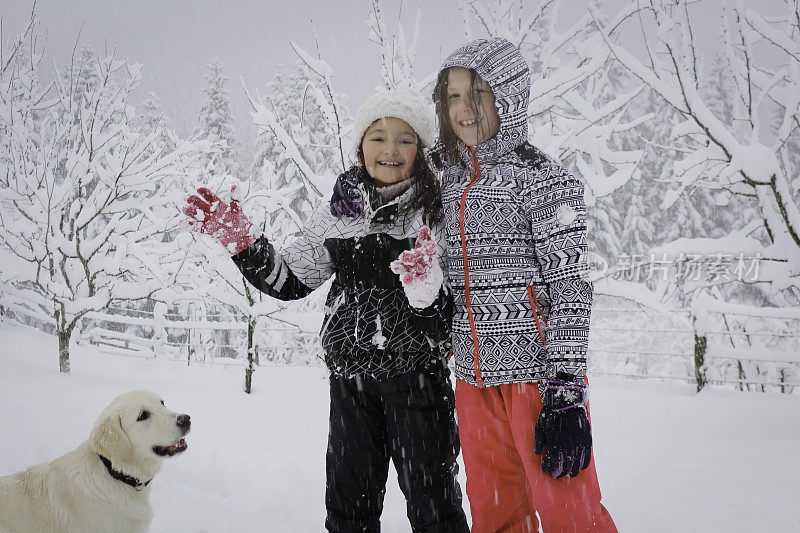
column 225, row 222
column 419, row 271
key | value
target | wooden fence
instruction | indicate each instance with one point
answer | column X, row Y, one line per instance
column 734, row 348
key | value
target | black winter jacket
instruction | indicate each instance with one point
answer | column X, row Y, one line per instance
column 369, row 329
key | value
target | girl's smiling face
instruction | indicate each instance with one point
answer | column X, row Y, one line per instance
column 470, row 108
column 389, row 149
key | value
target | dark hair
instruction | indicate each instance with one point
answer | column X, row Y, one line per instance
column 447, row 136
column 427, row 193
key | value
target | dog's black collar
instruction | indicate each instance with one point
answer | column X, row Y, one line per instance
column 137, row 484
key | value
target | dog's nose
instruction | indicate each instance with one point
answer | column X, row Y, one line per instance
column 184, row 421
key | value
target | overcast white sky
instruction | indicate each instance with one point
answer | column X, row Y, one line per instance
column 175, row 39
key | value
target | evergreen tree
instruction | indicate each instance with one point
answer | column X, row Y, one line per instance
column 614, row 227
column 717, row 88
column 151, row 119
column 216, row 124
column 646, row 222
column 85, row 79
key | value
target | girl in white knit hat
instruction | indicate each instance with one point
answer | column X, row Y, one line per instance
column 390, row 390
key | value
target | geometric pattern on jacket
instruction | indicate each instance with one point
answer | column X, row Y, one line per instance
column 369, row 329
column 523, row 303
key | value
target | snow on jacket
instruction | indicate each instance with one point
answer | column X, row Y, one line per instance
column 516, row 233
column 369, row 329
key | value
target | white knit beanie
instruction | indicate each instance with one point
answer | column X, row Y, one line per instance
column 405, row 104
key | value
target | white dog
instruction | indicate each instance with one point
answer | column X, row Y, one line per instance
column 104, row 484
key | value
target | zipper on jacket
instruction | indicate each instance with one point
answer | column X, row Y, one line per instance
column 474, row 174
column 534, row 308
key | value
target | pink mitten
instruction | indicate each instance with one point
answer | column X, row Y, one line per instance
column 419, row 271
column 225, row 222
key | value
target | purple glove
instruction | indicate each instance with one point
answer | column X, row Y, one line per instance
column 562, row 431
column 347, row 200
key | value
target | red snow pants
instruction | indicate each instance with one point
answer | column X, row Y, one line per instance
column 506, row 485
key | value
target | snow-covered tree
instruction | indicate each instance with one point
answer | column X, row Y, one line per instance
column 743, row 155
column 209, row 277
column 24, row 100
column 302, row 147
column 216, row 124
column 151, row 118
column 619, row 221
column 278, row 181
column 79, row 182
column 302, row 143
column 397, row 55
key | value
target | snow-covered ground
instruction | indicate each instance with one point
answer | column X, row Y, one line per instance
column 668, row 460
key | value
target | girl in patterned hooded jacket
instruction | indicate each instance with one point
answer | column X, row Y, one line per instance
column 516, row 235
column 515, row 221
column 390, row 392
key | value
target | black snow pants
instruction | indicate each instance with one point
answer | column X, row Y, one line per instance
column 410, row 419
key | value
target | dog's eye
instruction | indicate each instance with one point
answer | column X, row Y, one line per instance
column 144, row 415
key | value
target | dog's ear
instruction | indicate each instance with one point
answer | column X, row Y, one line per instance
column 110, row 440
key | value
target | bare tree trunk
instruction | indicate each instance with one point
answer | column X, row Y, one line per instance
column 189, row 345
column 64, row 332
column 252, row 353
column 733, row 345
column 742, row 383
column 700, row 349
column 63, row 350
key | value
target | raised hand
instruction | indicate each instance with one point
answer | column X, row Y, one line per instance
column 419, row 271
column 210, row 215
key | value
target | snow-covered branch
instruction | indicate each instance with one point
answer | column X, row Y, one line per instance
column 265, row 118
column 726, row 152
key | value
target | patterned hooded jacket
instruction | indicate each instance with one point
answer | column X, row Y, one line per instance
column 369, row 329
column 516, row 233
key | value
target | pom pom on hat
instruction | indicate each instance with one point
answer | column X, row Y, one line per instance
column 405, row 104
